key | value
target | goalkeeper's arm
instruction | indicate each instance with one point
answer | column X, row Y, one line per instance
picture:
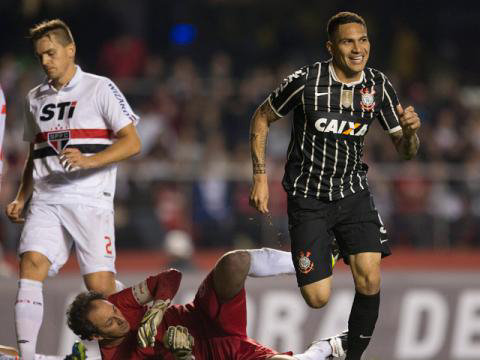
column 160, row 287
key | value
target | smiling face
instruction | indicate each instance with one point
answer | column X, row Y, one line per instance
column 109, row 321
column 57, row 60
column 350, row 49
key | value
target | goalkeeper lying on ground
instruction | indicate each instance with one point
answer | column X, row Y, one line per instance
column 212, row 327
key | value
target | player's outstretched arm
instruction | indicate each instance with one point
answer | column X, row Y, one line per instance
column 15, row 208
column 406, row 140
column 127, row 145
column 261, row 120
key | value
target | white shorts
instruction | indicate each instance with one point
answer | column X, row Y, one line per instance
column 52, row 230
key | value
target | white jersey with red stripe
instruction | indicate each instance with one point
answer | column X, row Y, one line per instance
column 86, row 114
column 3, row 116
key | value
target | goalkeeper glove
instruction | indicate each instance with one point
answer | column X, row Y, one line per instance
column 148, row 326
column 178, row 340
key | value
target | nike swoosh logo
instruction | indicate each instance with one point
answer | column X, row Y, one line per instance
column 365, row 337
column 321, row 94
column 382, row 241
column 22, row 341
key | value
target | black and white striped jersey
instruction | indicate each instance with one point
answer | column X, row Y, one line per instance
column 330, row 120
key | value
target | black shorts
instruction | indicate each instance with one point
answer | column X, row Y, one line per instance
column 313, row 224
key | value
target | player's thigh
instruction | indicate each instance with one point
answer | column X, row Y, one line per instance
column 360, row 228
column 311, row 251
column 92, row 231
column 43, row 234
column 222, row 318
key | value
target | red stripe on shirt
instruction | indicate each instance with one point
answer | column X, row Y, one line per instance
column 4, row 109
column 79, row 134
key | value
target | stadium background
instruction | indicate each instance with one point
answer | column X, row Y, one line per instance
column 195, row 71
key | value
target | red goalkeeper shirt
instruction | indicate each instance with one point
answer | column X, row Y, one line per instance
column 219, row 329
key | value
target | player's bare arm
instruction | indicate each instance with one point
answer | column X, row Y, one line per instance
column 261, row 120
column 406, row 140
column 127, row 145
column 15, row 208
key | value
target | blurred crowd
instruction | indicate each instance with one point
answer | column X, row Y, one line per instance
column 195, row 100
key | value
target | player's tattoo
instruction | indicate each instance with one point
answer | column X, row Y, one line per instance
column 258, row 136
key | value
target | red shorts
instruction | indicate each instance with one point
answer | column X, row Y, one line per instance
column 224, row 327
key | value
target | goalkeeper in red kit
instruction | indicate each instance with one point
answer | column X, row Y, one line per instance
column 211, row 327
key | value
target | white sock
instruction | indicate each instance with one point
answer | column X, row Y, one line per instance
column 119, row 285
column 270, row 262
column 48, row 357
column 319, row 350
column 28, row 316
column 93, row 349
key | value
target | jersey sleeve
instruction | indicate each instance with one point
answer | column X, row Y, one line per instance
column 29, row 126
column 289, row 94
column 113, row 106
column 159, row 287
column 388, row 114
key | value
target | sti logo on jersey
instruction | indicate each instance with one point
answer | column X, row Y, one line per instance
column 49, row 110
column 59, row 140
column 341, row 127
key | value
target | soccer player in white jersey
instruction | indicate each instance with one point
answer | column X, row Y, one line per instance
column 78, row 125
column 4, row 267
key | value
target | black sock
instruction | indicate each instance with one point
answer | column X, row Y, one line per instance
column 361, row 323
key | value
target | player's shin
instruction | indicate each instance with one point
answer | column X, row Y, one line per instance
column 270, row 262
column 361, row 323
column 28, row 316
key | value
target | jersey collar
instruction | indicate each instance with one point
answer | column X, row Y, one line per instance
column 73, row 81
column 334, row 75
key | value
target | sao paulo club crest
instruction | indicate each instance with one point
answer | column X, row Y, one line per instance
column 58, row 140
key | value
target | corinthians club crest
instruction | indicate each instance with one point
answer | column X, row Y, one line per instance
column 305, row 265
column 58, row 140
column 368, row 99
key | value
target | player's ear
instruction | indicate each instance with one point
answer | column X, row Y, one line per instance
column 71, row 50
column 329, row 46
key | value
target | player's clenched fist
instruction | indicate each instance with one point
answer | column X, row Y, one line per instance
column 149, row 324
column 409, row 120
column 14, row 211
column 259, row 194
column 178, row 340
column 72, row 159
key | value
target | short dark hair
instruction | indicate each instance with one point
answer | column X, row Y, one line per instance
column 343, row 17
column 56, row 27
column 77, row 315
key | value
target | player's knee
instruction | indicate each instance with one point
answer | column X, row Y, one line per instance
column 316, row 300
column 100, row 282
column 34, row 265
column 101, row 287
column 235, row 262
column 369, row 284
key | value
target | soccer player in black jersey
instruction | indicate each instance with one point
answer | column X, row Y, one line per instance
column 334, row 103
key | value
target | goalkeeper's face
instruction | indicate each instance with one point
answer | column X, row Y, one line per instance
column 108, row 319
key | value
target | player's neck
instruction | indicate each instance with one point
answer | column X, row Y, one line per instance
column 65, row 79
column 108, row 343
column 344, row 76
